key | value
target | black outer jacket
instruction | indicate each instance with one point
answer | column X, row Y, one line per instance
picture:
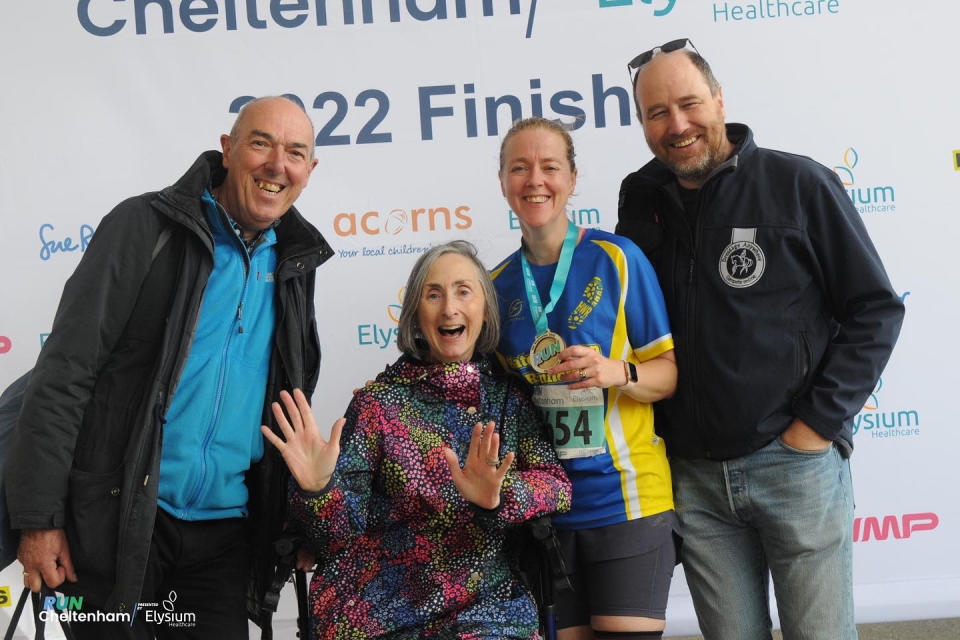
column 809, row 339
column 87, row 453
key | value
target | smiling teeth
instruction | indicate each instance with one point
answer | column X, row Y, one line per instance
column 272, row 188
column 685, row 143
column 449, row 331
column 536, row 199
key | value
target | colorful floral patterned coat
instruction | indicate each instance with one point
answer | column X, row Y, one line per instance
column 402, row 553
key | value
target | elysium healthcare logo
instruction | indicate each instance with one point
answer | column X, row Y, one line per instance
column 880, row 423
column 579, row 217
column 165, row 613
column 372, row 334
column 661, row 7
column 775, row 9
column 867, row 199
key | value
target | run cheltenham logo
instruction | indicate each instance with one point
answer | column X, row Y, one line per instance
column 62, row 608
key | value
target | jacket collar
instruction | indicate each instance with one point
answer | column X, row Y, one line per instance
column 458, row 382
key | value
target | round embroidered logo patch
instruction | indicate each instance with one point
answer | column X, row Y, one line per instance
column 742, row 264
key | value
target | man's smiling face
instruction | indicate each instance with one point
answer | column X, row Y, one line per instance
column 683, row 121
column 268, row 157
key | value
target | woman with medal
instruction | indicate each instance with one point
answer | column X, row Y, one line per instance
column 583, row 320
column 439, row 460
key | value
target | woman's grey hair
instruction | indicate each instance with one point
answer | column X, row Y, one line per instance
column 409, row 338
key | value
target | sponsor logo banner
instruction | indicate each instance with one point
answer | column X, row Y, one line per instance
column 867, row 198
column 384, row 334
column 588, row 217
column 773, row 9
column 882, row 422
column 99, row 18
column 660, row 7
column 883, row 528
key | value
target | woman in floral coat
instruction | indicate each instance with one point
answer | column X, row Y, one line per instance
column 410, row 502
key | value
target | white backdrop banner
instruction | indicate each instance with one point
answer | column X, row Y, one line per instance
column 110, row 98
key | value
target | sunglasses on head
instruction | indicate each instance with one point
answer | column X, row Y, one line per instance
column 634, row 66
column 639, row 61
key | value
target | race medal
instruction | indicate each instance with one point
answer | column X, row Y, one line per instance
column 545, row 351
column 547, row 344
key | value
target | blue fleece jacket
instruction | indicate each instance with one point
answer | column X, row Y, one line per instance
column 212, row 434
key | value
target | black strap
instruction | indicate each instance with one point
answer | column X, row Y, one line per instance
column 39, row 625
column 15, row 620
column 303, row 610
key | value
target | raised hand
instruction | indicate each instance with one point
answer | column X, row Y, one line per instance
column 310, row 458
column 481, row 477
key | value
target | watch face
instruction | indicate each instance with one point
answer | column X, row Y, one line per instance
column 633, row 371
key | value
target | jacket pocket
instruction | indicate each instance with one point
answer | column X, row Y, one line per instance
column 93, row 516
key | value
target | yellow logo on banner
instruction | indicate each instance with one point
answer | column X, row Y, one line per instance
column 956, row 159
column 4, row 596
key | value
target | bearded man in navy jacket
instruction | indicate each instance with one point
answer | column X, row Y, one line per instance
column 783, row 319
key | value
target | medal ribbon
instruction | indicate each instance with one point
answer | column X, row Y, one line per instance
column 537, row 310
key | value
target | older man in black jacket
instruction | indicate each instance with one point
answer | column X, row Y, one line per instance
column 191, row 308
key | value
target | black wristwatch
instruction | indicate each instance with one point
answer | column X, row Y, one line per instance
column 631, row 370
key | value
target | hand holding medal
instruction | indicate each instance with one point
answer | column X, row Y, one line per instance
column 583, row 367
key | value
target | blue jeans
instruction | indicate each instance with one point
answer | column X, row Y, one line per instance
column 777, row 511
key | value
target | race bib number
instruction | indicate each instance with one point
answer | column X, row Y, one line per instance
column 575, row 417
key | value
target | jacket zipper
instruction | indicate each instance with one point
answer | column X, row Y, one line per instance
column 692, row 238
column 691, row 322
column 221, row 376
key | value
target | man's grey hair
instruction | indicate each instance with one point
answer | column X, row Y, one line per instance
column 409, row 338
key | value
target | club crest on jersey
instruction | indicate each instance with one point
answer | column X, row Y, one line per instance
column 742, row 262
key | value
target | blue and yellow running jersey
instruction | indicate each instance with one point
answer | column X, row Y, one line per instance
column 612, row 303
